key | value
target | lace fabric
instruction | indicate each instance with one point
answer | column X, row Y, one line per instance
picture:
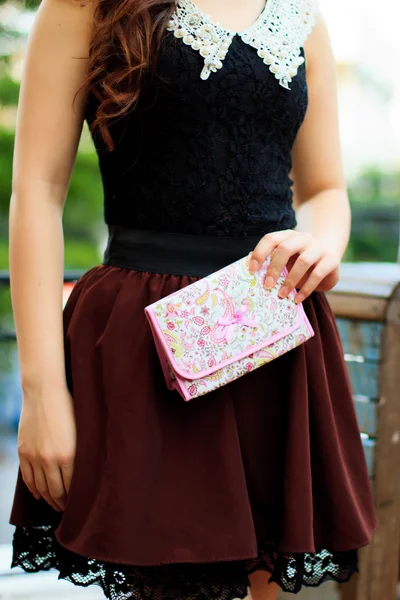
column 207, row 157
column 36, row 549
column 277, row 34
column 212, row 155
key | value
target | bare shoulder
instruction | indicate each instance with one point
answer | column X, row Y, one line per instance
column 60, row 40
column 318, row 48
column 82, row 7
column 65, row 16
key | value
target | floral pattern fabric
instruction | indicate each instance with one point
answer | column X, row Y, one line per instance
column 223, row 326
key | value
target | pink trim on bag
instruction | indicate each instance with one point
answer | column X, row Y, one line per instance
column 161, row 355
column 205, row 372
column 178, row 383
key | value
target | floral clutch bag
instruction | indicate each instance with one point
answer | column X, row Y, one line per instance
column 223, row 326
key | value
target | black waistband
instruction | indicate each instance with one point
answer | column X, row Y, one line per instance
column 173, row 253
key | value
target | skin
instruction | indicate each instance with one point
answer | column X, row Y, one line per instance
column 48, row 130
column 234, row 15
column 47, row 135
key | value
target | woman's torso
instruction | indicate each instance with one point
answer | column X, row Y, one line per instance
column 212, row 156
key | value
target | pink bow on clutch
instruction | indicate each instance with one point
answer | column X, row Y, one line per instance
column 238, row 319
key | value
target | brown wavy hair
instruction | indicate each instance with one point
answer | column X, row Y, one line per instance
column 124, row 47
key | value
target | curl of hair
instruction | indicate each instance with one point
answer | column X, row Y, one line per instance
column 126, row 38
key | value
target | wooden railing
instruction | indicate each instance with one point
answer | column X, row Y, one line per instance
column 366, row 303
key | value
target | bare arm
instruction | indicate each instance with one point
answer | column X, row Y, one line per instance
column 320, row 193
column 314, row 250
column 49, row 126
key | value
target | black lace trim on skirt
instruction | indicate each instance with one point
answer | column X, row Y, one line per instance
column 36, row 549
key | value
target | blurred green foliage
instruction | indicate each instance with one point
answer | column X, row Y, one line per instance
column 9, row 91
column 375, row 201
column 30, row 4
column 6, row 157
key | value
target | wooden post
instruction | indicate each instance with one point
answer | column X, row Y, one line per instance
column 367, row 300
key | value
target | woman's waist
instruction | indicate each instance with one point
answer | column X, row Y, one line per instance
column 201, row 215
column 173, row 253
column 188, row 195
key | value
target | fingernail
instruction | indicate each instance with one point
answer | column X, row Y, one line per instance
column 299, row 298
column 269, row 282
column 253, row 265
column 283, row 292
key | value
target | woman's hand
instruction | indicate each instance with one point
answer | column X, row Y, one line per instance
column 46, row 445
column 311, row 266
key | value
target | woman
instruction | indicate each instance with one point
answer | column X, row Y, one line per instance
column 203, row 116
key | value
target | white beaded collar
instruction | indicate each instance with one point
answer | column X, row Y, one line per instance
column 277, row 34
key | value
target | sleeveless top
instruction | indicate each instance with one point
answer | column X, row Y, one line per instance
column 207, row 150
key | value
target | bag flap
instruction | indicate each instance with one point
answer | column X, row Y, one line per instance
column 222, row 318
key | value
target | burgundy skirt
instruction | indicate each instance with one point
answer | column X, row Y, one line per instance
column 174, row 500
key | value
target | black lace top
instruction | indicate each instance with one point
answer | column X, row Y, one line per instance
column 209, row 157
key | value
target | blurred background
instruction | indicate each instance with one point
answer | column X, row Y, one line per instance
column 367, row 49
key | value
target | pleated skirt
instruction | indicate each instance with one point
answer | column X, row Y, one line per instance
column 183, row 500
